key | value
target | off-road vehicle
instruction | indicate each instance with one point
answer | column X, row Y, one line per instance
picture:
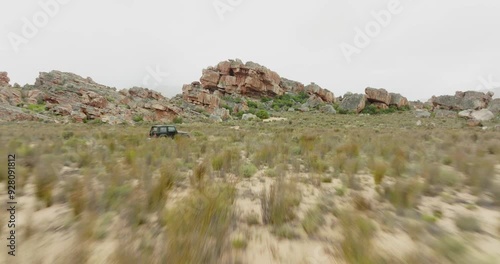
column 165, row 131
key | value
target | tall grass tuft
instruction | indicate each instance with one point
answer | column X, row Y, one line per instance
column 198, row 227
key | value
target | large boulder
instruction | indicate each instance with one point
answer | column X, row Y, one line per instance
column 482, row 115
column 4, row 79
column 194, row 93
column 313, row 101
column 324, row 94
column 398, row 100
column 328, row 109
column 247, row 117
column 10, row 96
column 494, row 106
column 291, row 86
column 353, row 103
column 421, row 113
column 378, row 95
column 462, row 101
column 210, row 79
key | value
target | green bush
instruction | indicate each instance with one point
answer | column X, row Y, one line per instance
column 38, row 108
column 138, row 118
column 262, row 114
column 252, row 104
column 370, row 109
column 178, row 120
column 248, row 170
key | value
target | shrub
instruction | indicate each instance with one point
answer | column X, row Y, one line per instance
column 379, row 168
column 358, row 233
column 138, row 118
column 38, row 108
column 451, row 248
column 248, row 170
column 361, row 203
column 252, row 104
column 239, row 243
column 115, row 196
column 177, row 120
column 370, row 109
column 278, row 205
column 404, row 193
column 467, row 223
column 199, row 174
column 313, row 220
column 262, row 114
column 158, row 194
column 67, row 134
column 285, row 231
column 198, row 227
column 45, row 180
column 77, row 197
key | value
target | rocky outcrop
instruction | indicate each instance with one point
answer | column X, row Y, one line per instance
column 398, row 100
column 10, row 96
column 10, row 113
column 73, row 98
column 479, row 115
column 462, row 101
column 378, row 95
column 382, row 99
column 315, row 90
column 420, row 113
column 195, row 93
column 353, row 103
column 4, row 79
column 494, row 106
column 250, row 80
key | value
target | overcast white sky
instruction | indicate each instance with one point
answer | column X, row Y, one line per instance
column 428, row 48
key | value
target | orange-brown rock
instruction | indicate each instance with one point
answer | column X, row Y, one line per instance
column 378, row 95
column 249, row 79
column 4, row 79
column 398, row 100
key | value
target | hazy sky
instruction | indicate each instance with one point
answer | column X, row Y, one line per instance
column 417, row 48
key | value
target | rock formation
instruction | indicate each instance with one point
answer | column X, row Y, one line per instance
column 462, row 101
column 382, row 99
column 353, row 103
column 73, row 98
column 249, row 80
column 4, row 79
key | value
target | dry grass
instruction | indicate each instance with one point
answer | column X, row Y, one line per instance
column 278, row 204
column 170, row 206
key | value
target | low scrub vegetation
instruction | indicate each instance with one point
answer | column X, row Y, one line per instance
column 313, row 179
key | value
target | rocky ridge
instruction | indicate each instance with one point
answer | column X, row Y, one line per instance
column 225, row 91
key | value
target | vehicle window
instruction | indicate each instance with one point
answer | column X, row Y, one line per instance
column 171, row 129
column 163, row 129
column 154, row 129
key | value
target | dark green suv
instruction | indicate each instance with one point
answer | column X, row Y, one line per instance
column 165, row 131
